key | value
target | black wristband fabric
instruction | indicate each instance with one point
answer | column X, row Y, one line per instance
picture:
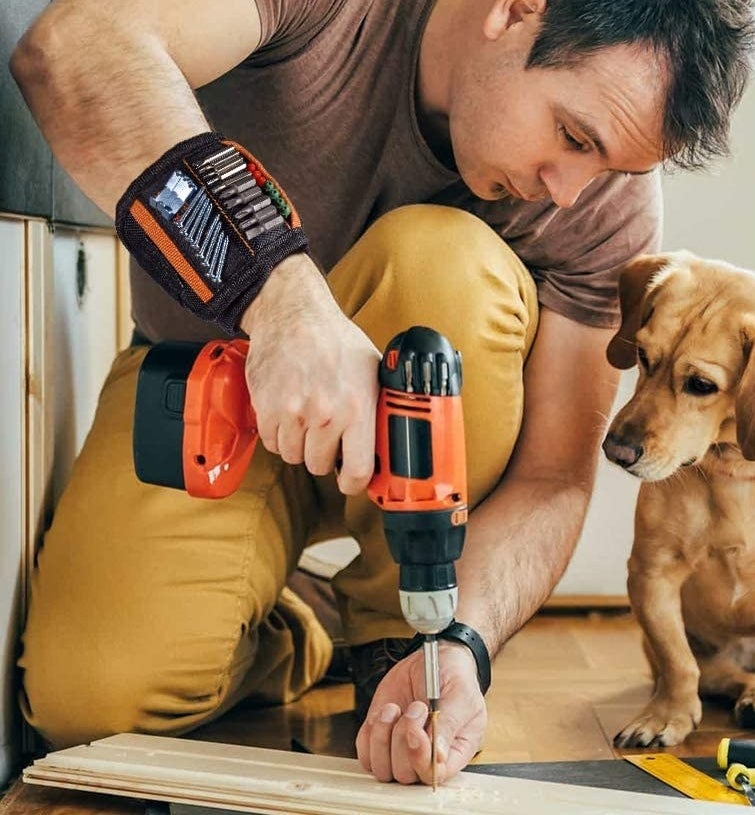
column 209, row 224
column 459, row 632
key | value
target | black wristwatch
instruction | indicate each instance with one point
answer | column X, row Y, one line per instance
column 459, row 632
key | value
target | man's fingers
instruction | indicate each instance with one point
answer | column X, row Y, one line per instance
column 410, row 746
column 291, row 441
column 357, row 457
column 381, row 734
column 458, row 755
column 321, row 449
column 363, row 744
column 459, row 739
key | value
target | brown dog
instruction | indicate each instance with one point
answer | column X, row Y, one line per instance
column 689, row 433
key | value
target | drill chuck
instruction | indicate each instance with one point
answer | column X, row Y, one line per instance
column 429, row 612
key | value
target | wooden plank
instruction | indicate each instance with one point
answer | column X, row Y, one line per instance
column 249, row 779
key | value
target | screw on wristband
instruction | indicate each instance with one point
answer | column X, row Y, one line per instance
column 465, row 634
column 209, row 224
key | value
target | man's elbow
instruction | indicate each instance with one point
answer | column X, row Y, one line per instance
column 31, row 63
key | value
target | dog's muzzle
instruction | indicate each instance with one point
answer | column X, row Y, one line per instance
column 620, row 452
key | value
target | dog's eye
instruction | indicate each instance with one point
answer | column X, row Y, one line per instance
column 697, row 386
column 643, row 358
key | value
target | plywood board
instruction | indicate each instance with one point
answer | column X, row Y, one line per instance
column 271, row 782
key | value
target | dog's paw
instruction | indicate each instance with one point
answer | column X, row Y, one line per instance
column 663, row 723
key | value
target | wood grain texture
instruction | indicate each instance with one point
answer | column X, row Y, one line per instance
column 253, row 779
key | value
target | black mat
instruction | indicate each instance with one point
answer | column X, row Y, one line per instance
column 615, row 774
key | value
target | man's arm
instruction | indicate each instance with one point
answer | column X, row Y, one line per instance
column 520, row 539
column 110, row 86
column 109, row 83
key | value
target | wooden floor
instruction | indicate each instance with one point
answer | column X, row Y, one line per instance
column 561, row 689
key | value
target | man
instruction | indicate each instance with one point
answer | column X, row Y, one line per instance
column 545, row 119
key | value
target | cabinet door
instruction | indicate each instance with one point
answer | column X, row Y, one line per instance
column 12, row 475
column 85, row 337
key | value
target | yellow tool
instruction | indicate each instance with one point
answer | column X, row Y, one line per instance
column 741, row 778
column 689, row 781
column 736, row 751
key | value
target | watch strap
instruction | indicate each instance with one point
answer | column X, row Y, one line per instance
column 465, row 634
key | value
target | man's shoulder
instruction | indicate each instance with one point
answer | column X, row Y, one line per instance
column 288, row 25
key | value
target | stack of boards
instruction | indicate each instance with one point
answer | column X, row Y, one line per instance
column 271, row 782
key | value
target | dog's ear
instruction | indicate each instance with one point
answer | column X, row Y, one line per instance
column 622, row 351
column 744, row 405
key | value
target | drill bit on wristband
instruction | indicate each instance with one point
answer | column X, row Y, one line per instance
column 459, row 632
column 209, row 224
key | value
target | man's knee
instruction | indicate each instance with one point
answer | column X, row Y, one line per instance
column 92, row 694
column 452, row 261
column 446, row 267
column 447, row 235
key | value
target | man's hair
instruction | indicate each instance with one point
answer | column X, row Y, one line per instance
column 705, row 44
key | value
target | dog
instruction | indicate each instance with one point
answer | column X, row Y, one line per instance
column 688, row 432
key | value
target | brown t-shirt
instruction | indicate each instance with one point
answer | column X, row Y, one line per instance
column 327, row 103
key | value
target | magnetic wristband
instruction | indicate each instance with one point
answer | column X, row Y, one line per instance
column 209, row 224
column 459, row 632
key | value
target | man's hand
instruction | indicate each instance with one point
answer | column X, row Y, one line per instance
column 312, row 376
column 393, row 743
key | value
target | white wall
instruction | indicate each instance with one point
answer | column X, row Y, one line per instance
column 712, row 214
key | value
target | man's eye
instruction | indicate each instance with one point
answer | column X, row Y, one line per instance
column 697, row 386
column 572, row 142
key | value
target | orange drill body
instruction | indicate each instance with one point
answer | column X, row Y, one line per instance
column 220, row 427
column 438, row 481
column 194, row 425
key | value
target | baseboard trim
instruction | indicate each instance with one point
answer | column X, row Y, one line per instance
column 575, row 601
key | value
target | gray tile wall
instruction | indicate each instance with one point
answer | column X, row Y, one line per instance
column 31, row 181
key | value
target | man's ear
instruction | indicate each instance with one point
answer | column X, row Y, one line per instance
column 744, row 404
column 505, row 13
column 633, row 282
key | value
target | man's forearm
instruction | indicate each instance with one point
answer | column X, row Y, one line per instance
column 519, row 541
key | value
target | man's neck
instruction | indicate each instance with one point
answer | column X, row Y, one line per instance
column 434, row 72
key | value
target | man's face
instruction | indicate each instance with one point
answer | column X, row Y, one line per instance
column 548, row 132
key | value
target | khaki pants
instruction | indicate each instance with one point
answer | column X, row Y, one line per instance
column 155, row 612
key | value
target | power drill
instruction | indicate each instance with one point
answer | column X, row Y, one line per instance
column 195, row 429
column 420, row 483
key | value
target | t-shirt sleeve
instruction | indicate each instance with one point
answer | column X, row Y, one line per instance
column 288, row 25
column 576, row 254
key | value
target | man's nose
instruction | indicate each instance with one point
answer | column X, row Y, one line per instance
column 565, row 183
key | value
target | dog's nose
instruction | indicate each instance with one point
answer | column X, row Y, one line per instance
column 621, row 453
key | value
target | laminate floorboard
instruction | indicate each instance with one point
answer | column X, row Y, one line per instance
column 561, row 689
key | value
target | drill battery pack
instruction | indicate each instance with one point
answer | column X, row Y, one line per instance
column 194, row 426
